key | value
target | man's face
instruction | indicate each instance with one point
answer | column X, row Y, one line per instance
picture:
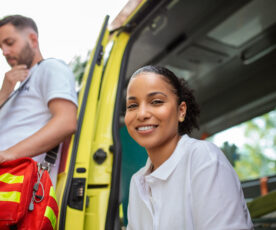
column 16, row 46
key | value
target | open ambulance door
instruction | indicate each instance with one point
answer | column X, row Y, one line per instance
column 88, row 186
column 84, row 178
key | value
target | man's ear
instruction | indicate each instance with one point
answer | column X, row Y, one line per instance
column 182, row 111
column 33, row 39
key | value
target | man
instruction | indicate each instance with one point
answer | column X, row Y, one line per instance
column 44, row 111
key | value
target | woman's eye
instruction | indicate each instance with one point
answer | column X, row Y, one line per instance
column 157, row 102
column 131, row 106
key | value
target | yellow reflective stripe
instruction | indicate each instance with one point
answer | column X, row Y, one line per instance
column 53, row 193
column 11, row 179
column 49, row 213
column 10, row 196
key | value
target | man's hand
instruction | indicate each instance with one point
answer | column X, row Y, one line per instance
column 17, row 73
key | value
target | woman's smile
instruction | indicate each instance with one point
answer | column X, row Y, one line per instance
column 146, row 129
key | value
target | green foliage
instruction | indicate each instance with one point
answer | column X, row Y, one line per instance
column 78, row 67
column 231, row 152
column 259, row 151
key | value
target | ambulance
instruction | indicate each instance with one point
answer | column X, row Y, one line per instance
column 226, row 50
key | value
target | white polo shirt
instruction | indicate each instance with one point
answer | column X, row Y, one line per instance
column 195, row 189
column 28, row 111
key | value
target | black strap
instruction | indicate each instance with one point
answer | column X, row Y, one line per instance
column 13, row 227
column 51, row 155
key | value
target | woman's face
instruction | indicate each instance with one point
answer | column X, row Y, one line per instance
column 152, row 112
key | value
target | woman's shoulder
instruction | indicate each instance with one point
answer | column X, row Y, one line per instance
column 199, row 146
column 203, row 152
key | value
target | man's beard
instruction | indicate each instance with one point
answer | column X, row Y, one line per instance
column 26, row 56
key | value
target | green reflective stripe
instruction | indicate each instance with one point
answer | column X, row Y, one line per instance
column 10, row 196
column 49, row 213
column 53, row 193
column 11, row 179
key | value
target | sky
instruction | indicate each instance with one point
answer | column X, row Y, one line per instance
column 66, row 28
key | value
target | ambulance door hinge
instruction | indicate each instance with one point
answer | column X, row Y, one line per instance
column 100, row 56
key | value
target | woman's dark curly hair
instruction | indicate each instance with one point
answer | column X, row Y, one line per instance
column 183, row 93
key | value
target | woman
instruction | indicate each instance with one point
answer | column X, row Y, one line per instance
column 186, row 183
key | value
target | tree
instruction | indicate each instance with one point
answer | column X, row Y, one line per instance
column 78, row 67
column 259, row 151
column 231, row 152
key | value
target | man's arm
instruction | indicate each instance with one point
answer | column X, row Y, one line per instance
column 62, row 124
column 17, row 73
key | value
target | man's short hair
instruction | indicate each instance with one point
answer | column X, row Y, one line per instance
column 19, row 22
